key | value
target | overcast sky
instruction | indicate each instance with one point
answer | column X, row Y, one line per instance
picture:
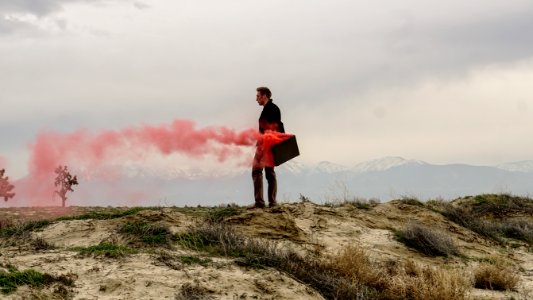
column 439, row 81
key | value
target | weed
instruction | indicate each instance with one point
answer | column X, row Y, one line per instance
column 103, row 215
column 466, row 218
column 105, row 249
column 495, row 229
column 426, row 240
column 194, row 260
column 194, row 291
column 500, row 205
column 411, row 201
column 39, row 243
column 19, row 229
column 360, row 203
column 12, row 279
column 216, row 215
column 148, row 234
column 304, row 199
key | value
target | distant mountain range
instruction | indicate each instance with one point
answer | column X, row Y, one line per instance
column 385, row 179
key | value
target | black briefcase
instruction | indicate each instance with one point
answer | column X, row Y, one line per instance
column 286, row 150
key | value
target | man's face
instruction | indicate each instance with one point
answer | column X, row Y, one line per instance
column 261, row 99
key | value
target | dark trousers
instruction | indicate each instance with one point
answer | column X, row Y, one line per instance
column 257, row 176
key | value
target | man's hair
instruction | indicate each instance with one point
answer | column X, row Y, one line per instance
column 263, row 90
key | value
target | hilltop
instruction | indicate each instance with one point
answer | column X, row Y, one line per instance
column 471, row 248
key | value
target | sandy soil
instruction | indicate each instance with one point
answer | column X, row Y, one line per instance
column 302, row 226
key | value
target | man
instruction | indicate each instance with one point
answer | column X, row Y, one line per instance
column 270, row 119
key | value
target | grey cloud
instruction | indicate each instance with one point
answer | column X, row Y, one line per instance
column 8, row 27
column 141, row 5
column 38, row 8
column 44, row 7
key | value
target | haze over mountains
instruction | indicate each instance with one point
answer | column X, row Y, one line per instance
column 385, row 179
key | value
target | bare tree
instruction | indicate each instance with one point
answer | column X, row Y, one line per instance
column 5, row 187
column 65, row 181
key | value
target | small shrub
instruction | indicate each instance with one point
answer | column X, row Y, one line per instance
column 520, row 229
column 105, row 249
column 426, row 240
column 495, row 277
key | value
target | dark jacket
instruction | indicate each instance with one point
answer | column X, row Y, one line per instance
column 270, row 118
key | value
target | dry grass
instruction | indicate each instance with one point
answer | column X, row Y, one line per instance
column 495, row 276
column 219, row 239
column 395, row 280
column 428, row 283
column 353, row 262
column 427, row 240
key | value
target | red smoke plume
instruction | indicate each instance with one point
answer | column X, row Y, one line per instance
column 52, row 149
column 87, row 151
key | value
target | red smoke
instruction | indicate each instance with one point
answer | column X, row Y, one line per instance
column 52, row 149
column 91, row 152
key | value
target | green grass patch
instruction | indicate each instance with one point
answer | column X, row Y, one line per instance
column 21, row 228
column 13, row 278
column 216, row 214
column 148, row 234
column 105, row 249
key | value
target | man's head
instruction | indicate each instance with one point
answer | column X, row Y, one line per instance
column 263, row 95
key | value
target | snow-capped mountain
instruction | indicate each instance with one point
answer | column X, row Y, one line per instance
column 329, row 167
column 384, row 164
column 517, row 166
column 294, row 167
